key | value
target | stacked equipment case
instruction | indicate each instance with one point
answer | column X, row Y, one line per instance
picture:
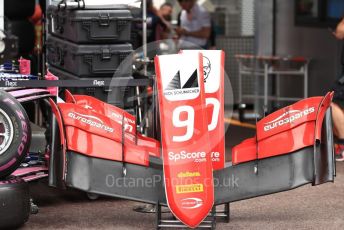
column 92, row 44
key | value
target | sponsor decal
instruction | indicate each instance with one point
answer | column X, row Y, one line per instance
column 184, row 155
column 188, row 174
column 215, row 156
column 175, row 87
column 129, row 123
column 196, row 156
column 89, row 116
column 119, row 117
column 191, row 203
column 98, row 83
column 9, row 83
column 190, row 188
column 87, row 119
column 294, row 115
column 24, row 139
column 192, row 82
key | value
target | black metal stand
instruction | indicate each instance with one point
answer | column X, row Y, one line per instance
column 224, row 214
column 169, row 221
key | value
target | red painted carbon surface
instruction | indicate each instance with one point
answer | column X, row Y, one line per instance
column 213, row 69
column 186, row 151
column 286, row 130
column 95, row 135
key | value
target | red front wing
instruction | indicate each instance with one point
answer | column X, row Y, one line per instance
column 287, row 130
column 92, row 133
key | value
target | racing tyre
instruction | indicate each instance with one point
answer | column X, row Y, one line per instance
column 15, row 134
column 15, row 202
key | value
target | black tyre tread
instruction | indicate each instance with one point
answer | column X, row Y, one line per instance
column 15, row 202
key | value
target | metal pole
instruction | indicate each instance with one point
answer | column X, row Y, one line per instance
column 278, row 90
column 144, row 32
column 305, row 87
column 144, row 47
column 240, row 81
column 266, row 75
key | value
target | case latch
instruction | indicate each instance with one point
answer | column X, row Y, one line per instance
column 106, row 54
column 104, row 20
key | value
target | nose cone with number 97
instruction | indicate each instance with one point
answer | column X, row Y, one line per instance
column 188, row 172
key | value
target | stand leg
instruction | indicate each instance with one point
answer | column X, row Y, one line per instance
column 158, row 216
column 213, row 218
column 228, row 212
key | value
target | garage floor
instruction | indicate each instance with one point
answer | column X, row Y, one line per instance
column 308, row 207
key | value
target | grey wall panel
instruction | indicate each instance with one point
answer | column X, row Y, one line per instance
column 263, row 41
column 315, row 43
column 233, row 46
column 264, row 36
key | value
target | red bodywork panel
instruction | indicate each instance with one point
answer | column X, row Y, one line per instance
column 151, row 145
column 188, row 173
column 69, row 98
column 148, row 144
column 245, row 151
column 213, row 68
column 59, row 120
column 108, row 110
column 76, row 116
column 97, row 135
column 91, row 127
column 285, row 131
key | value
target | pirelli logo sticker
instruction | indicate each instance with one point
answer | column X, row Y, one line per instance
column 190, row 188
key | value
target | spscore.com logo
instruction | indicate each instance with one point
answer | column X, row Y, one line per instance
column 294, row 115
column 87, row 120
column 184, row 155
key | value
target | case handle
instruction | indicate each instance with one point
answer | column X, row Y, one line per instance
column 103, row 21
column 105, row 55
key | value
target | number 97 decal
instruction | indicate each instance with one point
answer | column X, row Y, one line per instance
column 189, row 122
column 215, row 114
